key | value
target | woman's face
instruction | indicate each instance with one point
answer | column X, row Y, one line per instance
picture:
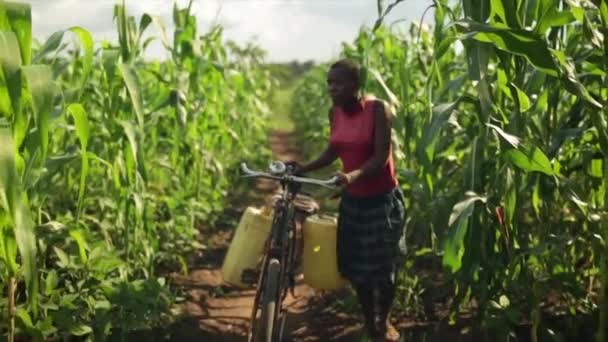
column 340, row 85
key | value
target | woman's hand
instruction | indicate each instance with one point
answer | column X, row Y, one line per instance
column 296, row 168
column 344, row 179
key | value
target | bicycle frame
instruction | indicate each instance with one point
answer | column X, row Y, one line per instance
column 279, row 248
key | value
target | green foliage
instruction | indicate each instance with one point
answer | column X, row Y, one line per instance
column 110, row 163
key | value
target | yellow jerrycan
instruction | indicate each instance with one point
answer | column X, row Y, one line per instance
column 247, row 245
column 320, row 260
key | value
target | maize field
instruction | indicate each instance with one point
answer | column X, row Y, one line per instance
column 110, row 162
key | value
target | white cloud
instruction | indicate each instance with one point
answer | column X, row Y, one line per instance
column 286, row 29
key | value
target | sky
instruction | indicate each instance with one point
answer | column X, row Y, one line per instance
column 287, row 29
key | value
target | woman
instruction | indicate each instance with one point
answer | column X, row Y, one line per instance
column 371, row 215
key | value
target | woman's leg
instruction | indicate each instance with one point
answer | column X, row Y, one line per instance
column 385, row 301
column 365, row 293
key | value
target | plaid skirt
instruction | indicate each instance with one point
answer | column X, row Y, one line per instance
column 371, row 237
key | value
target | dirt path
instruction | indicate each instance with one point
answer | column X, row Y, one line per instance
column 221, row 312
column 216, row 312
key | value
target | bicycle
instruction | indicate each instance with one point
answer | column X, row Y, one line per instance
column 276, row 275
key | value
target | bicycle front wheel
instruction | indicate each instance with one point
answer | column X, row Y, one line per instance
column 269, row 304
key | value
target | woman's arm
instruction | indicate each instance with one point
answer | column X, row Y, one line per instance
column 383, row 118
column 327, row 157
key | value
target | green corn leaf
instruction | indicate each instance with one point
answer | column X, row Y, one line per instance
column 82, row 124
column 4, row 256
column 432, row 130
column 444, row 46
column 476, row 9
column 553, row 18
column 511, row 199
column 518, row 42
column 459, row 221
column 544, row 6
column 144, row 22
column 82, row 131
column 596, row 168
column 20, row 18
column 120, row 16
column 134, row 88
column 506, row 11
column 42, row 91
column 51, row 45
column 51, row 282
column 86, row 40
column 64, row 259
column 599, row 121
column 582, row 205
column 6, row 110
column 511, row 139
column 462, row 208
column 132, row 36
column 107, row 263
column 523, row 100
column 135, row 148
column 536, row 198
column 110, row 60
column 131, row 136
column 543, row 101
column 78, row 236
column 25, row 319
column 160, row 26
column 391, row 96
column 501, row 78
column 20, row 216
column 577, row 11
column 571, row 82
column 534, row 161
column 5, row 25
column 604, row 11
column 8, row 247
column 80, row 330
column 10, row 62
column 498, row 10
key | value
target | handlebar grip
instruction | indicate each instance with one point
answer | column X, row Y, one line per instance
column 333, row 180
column 244, row 168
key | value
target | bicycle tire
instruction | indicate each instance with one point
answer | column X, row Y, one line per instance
column 269, row 304
column 252, row 333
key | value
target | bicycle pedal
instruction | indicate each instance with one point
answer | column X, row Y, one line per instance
column 250, row 276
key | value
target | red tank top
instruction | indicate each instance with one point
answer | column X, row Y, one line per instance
column 352, row 139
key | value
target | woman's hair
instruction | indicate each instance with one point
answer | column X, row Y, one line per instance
column 351, row 68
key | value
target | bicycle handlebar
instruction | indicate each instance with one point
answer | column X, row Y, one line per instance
column 329, row 183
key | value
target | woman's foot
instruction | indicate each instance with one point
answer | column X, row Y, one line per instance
column 387, row 333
